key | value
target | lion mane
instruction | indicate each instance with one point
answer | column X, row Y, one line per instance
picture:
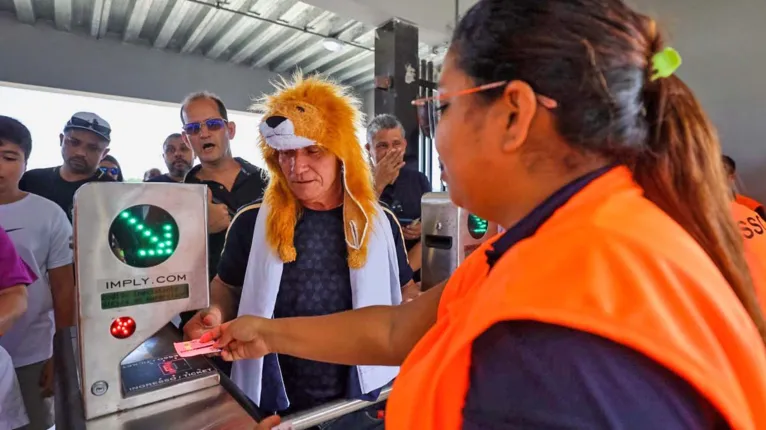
column 326, row 113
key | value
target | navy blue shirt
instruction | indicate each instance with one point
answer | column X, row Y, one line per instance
column 316, row 283
column 248, row 186
column 404, row 195
column 532, row 375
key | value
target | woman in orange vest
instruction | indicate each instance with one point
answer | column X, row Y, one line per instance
column 753, row 230
column 617, row 297
column 750, row 203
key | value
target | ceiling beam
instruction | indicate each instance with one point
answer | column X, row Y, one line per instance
column 356, row 58
column 353, row 73
column 290, row 40
column 24, row 11
column 99, row 22
column 367, row 77
column 305, row 42
column 137, row 19
column 214, row 18
column 285, row 11
column 62, row 14
column 177, row 15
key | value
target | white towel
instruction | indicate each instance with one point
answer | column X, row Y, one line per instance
column 377, row 283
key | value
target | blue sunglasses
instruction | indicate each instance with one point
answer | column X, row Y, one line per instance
column 110, row 170
column 213, row 124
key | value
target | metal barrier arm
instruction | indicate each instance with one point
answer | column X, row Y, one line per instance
column 330, row 411
column 67, row 397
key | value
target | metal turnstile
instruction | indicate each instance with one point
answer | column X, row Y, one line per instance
column 141, row 259
column 449, row 235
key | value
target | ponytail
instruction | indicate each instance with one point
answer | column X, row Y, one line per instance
column 682, row 173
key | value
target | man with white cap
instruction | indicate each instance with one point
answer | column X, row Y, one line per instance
column 84, row 143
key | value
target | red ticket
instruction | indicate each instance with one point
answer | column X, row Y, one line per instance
column 195, row 347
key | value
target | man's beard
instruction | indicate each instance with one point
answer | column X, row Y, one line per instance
column 80, row 166
column 179, row 168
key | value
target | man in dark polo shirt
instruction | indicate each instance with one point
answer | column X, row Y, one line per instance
column 399, row 187
column 84, row 143
column 232, row 182
column 178, row 158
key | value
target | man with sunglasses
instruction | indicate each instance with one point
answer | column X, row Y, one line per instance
column 232, row 182
column 84, row 143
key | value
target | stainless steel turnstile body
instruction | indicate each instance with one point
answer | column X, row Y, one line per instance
column 449, row 235
column 141, row 259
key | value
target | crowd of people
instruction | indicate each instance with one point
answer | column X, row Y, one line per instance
column 627, row 289
column 36, row 212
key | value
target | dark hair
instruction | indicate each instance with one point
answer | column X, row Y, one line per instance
column 167, row 139
column 594, row 58
column 110, row 159
column 730, row 165
column 202, row 95
column 14, row 131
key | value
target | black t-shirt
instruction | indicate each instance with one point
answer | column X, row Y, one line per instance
column 404, row 195
column 248, row 186
column 163, row 178
column 316, row 283
column 48, row 183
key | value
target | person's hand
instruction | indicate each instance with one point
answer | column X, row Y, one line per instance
column 411, row 292
column 46, row 379
column 387, row 168
column 268, row 423
column 239, row 339
column 245, row 422
column 412, row 231
column 218, row 217
column 202, row 322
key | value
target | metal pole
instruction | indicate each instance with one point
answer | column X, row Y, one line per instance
column 457, row 12
column 330, row 411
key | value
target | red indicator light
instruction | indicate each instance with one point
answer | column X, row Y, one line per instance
column 123, row 327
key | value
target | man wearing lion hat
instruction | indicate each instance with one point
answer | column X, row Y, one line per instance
column 317, row 243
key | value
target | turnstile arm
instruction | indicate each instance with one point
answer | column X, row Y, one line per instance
column 327, row 412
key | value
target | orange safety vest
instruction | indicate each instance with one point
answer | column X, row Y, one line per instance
column 753, row 230
column 746, row 201
column 608, row 262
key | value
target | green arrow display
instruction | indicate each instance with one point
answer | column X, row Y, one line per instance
column 154, row 243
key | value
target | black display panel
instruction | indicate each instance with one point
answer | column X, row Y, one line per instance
column 143, row 296
column 143, row 236
column 149, row 375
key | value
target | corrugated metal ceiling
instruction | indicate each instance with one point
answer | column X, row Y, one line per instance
column 279, row 35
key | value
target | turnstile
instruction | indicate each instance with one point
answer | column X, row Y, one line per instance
column 449, row 235
column 141, row 259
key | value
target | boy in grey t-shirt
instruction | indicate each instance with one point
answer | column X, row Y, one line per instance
column 40, row 232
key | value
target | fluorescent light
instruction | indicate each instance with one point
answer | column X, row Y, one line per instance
column 333, row 45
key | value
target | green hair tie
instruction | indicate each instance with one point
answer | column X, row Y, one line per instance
column 665, row 63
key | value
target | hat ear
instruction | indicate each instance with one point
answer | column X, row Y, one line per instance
column 282, row 219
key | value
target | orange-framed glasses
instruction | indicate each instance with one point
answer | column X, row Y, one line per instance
column 429, row 108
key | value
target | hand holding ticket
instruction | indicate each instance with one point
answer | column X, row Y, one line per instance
column 195, row 347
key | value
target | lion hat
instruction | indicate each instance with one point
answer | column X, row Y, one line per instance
column 313, row 111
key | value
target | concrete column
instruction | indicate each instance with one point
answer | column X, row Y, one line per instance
column 396, row 71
